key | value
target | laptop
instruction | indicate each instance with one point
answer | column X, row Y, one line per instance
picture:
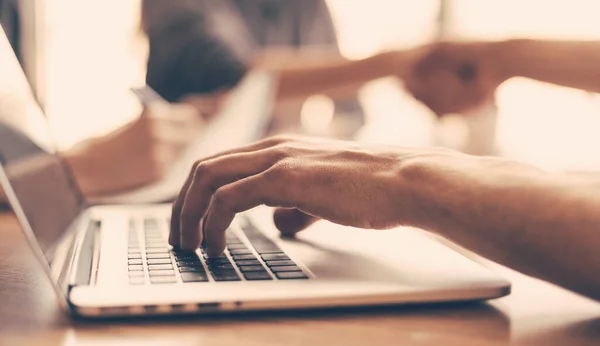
column 114, row 260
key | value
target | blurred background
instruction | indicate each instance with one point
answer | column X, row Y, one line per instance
column 82, row 56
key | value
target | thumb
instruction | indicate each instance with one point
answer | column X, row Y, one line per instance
column 292, row 221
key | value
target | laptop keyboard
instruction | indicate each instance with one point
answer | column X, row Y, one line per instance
column 150, row 259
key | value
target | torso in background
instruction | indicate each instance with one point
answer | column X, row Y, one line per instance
column 288, row 23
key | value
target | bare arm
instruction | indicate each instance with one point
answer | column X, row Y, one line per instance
column 543, row 224
column 305, row 74
column 574, row 64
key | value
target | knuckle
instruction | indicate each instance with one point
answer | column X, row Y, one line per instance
column 277, row 172
column 283, row 151
column 284, row 175
column 195, row 167
column 204, row 171
column 222, row 198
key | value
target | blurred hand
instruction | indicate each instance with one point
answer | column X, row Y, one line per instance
column 455, row 76
column 337, row 181
column 136, row 154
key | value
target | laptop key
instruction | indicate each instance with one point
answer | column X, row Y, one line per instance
column 281, row 263
column 248, row 263
column 157, row 250
column 275, row 257
column 189, row 264
column 157, row 255
column 251, row 268
column 217, row 261
column 243, row 257
column 194, row 277
column 154, row 273
column 134, row 256
column 163, row 279
column 159, row 261
column 229, row 275
column 184, row 257
column 220, row 266
column 262, row 275
column 136, row 274
column 240, row 252
column 191, row 269
column 135, row 261
column 136, row 268
column 291, row 275
column 160, row 267
column 277, row 269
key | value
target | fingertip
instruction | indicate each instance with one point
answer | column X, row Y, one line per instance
column 190, row 236
column 173, row 242
column 214, row 253
column 215, row 247
column 214, row 241
column 174, row 238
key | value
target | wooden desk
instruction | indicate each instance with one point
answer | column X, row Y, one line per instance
column 535, row 313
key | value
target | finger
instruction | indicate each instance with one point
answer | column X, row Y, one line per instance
column 208, row 178
column 245, row 194
column 174, row 235
column 291, row 221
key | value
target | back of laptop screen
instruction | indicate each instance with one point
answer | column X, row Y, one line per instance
column 42, row 185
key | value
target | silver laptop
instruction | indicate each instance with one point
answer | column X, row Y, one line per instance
column 114, row 260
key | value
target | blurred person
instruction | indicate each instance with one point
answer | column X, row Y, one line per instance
column 201, row 47
column 454, row 77
column 541, row 223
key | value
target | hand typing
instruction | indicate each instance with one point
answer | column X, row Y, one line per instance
column 306, row 178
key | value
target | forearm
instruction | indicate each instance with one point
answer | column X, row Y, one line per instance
column 542, row 224
column 330, row 74
column 568, row 63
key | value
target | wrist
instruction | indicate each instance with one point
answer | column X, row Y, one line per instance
column 452, row 193
column 505, row 56
column 386, row 63
column 399, row 63
column 430, row 182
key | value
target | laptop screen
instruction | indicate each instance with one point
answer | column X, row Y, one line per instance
column 42, row 185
